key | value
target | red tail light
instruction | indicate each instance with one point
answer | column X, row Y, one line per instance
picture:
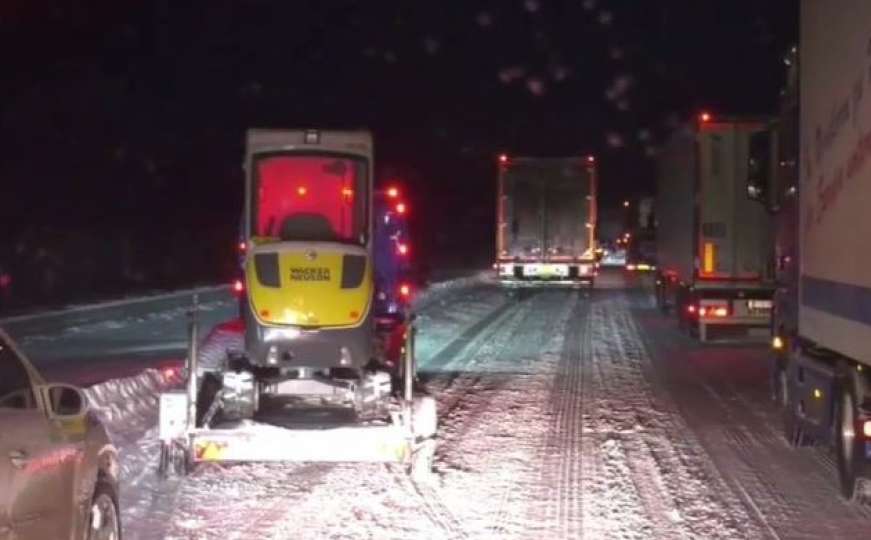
column 402, row 249
column 238, row 286
column 243, row 247
column 392, row 192
column 405, row 290
column 401, row 208
column 691, row 308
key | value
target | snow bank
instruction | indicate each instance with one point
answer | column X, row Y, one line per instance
column 118, row 399
column 435, row 290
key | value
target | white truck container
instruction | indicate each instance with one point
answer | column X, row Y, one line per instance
column 546, row 220
column 819, row 185
column 713, row 242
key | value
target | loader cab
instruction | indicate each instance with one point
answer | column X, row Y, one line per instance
column 308, row 266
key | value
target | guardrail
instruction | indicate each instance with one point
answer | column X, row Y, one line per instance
column 56, row 320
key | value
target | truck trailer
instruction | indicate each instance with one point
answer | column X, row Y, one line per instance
column 546, row 220
column 816, row 177
column 713, row 242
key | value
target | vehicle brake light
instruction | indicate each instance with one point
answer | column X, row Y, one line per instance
column 401, row 208
column 238, row 286
column 705, row 117
column 402, row 248
column 591, row 159
column 347, row 193
column 703, row 311
column 392, row 192
column 866, row 428
column 630, row 267
column 691, row 308
column 301, row 191
column 721, row 312
column 777, row 343
column 243, row 247
column 503, row 158
column 405, row 290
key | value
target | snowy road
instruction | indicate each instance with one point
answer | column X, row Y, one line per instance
column 564, row 414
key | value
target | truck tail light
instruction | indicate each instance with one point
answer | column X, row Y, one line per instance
column 866, row 428
column 405, row 291
column 402, row 249
column 238, row 286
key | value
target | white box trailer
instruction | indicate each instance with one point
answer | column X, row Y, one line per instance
column 819, row 185
column 546, row 220
column 713, row 241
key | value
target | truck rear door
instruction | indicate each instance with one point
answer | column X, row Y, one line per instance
column 568, row 208
column 735, row 232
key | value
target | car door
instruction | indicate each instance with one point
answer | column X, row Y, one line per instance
column 36, row 462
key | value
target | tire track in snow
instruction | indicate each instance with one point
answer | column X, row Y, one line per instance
column 791, row 493
column 652, row 478
column 488, row 460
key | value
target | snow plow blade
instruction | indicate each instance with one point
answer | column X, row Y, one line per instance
column 376, row 444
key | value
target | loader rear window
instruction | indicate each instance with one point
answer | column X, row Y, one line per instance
column 310, row 198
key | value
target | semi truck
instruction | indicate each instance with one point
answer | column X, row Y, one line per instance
column 812, row 170
column 713, row 243
column 546, row 220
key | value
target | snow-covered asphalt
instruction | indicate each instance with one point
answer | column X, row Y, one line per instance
column 563, row 414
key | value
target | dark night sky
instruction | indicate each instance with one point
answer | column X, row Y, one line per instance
column 124, row 110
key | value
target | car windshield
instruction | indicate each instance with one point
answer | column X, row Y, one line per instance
column 309, row 197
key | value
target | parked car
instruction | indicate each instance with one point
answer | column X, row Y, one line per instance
column 58, row 467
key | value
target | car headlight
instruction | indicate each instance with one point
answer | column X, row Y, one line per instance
column 280, row 334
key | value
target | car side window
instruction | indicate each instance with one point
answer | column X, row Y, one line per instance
column 16, row 391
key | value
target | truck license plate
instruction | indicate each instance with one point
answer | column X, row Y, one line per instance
column 759, row 304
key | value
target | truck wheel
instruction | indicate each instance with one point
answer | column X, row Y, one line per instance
column 791, row 428
column 847, row 443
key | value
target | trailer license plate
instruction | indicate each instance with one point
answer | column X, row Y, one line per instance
column 759, row 304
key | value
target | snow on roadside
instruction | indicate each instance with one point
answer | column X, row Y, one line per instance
column 129, row 408
column 108, row 326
